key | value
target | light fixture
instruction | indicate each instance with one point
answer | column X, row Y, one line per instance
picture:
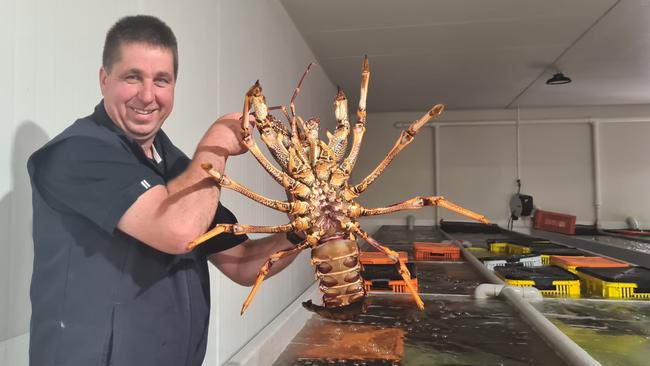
column 558, row 79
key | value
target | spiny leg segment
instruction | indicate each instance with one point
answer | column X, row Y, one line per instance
column 266, row 267
column 399, row 263
column 358, row 131
column 238, row 229
column 419, row 202
column 405, row 138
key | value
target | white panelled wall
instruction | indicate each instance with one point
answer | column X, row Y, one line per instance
column 49, row 76
column 477, row 163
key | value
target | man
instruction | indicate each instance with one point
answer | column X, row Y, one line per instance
column 115, row 204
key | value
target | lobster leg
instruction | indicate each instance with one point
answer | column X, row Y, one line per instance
column 419, row 202
column 401, row 266
column 281, row 177
column 238, row 229
column 338, row 142
column 360, row 126
column 264, row 270
column 405, row 138
column 294, row 207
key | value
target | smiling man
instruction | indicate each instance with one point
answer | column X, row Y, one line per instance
column 115, row 204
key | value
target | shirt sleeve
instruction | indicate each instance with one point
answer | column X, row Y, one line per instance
column 96, row 179
column 222, row 241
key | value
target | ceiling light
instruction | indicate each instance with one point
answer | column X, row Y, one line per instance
column 558, row 79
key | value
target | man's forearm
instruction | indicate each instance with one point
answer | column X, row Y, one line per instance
column 243, row 262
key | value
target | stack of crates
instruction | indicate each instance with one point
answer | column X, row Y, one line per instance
column 616, row 282
column 479, row 252
column 548, row 252
column 423, row 251
column 525, row 260
column 549, row 280
column 519, row 245
column 570, row 263
column 542, row 247
column 380, row 273
column 511, row 251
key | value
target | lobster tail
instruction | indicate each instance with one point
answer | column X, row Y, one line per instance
column 339, row 271
column 347, row 312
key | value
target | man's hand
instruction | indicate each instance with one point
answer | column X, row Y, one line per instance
column 224, row 137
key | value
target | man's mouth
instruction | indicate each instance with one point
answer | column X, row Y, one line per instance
column 143, row 112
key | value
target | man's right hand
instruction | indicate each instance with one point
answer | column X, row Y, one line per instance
column 225, row 136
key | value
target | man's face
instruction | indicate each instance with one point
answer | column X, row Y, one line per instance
column 139, row 89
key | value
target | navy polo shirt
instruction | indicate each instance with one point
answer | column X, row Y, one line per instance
column 99, row 296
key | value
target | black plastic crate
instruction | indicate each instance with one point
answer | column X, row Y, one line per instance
column 468, row 227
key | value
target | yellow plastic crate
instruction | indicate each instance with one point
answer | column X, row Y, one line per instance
column 480, row 252
column 508, row 248
column 610, row 290
column 562, row 288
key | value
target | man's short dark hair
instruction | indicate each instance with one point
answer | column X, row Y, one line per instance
column 138, row 29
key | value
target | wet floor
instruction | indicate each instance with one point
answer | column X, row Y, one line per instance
column 454, row 330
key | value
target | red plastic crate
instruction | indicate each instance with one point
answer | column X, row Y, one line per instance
column 554, row 221
column 380, row 258
column 435, row 252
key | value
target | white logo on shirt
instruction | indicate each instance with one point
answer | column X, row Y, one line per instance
column 145, row 184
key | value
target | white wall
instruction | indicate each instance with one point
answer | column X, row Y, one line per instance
column 478, row 163
column 49, row 77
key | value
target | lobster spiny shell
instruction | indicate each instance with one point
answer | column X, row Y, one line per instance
column 339, row 272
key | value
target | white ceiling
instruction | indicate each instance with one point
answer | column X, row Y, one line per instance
column 470, row 54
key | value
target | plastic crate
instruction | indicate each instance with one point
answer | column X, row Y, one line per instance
column 435, row 252
column 546, row 253
column 616, row 283
column 385, row 277
column 520, row 240
column 468, row 227
column 508, row 248
column 571, row 262
column 479, row 252
column 554, row 221
column 385, row 272
column 379, row 258
column 549, row 280
column 389, row 286
column 525, row 260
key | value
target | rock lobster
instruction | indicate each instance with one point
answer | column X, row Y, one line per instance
column 321, row 202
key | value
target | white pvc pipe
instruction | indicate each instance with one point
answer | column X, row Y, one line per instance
column 517, row 142
column 436, row 152
column 595, row 138
column 486, row 290
column 564, row 346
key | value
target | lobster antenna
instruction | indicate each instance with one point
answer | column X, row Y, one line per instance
column 297, row 90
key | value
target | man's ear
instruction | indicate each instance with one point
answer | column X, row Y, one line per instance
column 103, row 77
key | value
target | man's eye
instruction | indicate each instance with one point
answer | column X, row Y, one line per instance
column 161, row 82
column 132, row 78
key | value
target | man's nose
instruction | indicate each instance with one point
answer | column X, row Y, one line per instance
column 146, row 93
